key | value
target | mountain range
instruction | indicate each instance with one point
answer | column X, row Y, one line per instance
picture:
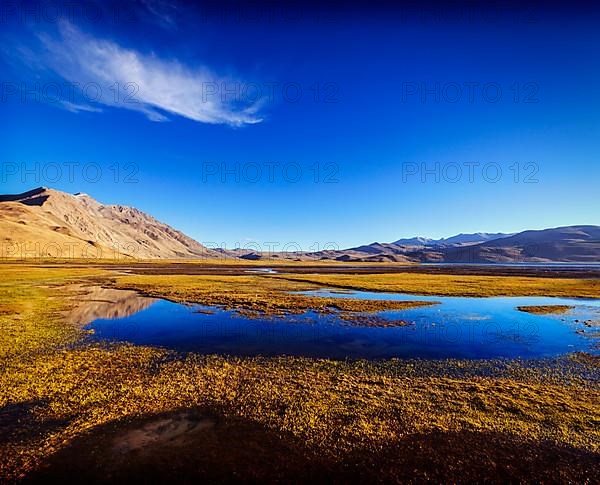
column 49, row 223
column 569, row 244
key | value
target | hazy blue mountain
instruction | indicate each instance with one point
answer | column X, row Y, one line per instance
column 477, row 237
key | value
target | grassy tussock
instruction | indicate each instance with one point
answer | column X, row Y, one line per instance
column 545, row 309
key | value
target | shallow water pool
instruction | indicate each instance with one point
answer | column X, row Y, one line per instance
column 455, row 328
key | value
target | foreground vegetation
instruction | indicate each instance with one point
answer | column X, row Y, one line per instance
column 64, row 402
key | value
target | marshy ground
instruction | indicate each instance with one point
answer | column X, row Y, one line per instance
column 545, row 309
column 100, row 412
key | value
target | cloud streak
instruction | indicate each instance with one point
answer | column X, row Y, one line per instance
column 163, row 11
column 142, row 82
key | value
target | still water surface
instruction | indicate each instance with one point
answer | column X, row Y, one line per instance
column 457, row 327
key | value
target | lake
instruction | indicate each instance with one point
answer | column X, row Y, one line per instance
column 457, row 327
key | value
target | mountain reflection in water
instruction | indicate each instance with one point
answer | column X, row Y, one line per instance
column 105, row 303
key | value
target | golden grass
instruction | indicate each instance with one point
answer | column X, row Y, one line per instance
column 455, row 285
column 336, row 409
column 545, row 309
column 254, row 294
column 31, row 302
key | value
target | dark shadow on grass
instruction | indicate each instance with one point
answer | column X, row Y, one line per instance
column 188, row 446
column 469, row 456
column 19, row 421
column 180, row 447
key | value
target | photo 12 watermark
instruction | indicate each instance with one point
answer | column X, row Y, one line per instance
column 269, row 250
column 48, row 173
column 269, row 172
column 52, row 12
column 76, row 94
column 75, row 250
column 470, row 92
column 470, row 172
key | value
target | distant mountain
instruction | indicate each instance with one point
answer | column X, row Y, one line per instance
column 45, row 222
column 414, row 241
column 561, row 244
column 477, row 237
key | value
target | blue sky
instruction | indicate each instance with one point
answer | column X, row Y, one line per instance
column 339, row 127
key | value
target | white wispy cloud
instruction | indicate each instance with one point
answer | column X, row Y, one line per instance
column 76, row 107
column 147, row 83
column 163, row 11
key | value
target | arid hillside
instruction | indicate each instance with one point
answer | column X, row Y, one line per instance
column 48, row 223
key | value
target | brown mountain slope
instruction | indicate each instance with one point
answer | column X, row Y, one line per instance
column 561, row 244
column 45, row 222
